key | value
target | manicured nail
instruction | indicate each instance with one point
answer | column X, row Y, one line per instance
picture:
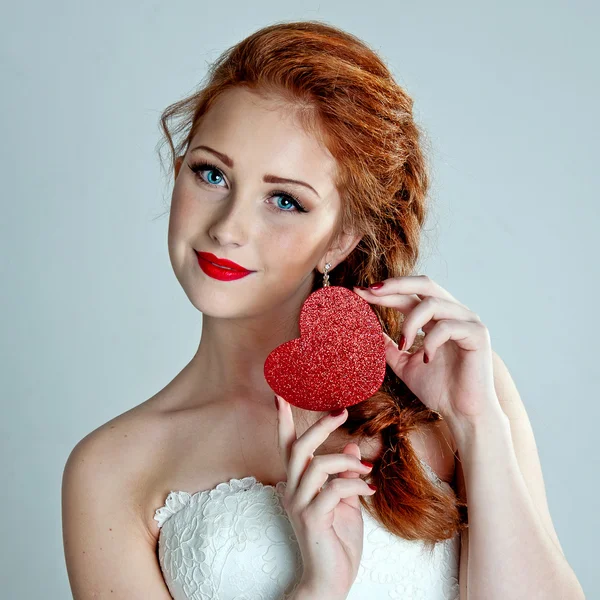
column 425, row 358
column 373, row 487
column 367, row 463
column 401, row 342
column 338, row 412
column 377, row 285
column 276, row 403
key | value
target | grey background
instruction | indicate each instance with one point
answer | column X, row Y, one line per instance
column 93, row 319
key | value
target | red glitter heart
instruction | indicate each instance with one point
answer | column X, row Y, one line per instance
column 339, row 358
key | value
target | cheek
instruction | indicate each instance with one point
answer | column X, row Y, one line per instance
column 294, row 248
column 182, row 213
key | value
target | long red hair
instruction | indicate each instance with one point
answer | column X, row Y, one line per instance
column 343, row 93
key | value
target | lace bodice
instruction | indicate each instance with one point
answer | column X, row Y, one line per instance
column 235, row 542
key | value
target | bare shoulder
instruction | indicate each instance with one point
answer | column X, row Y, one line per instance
column 104, row 498
column 163, row 444
column 117, row 459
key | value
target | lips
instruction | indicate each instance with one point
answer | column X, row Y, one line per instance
column 216, row 271
column 222, row 262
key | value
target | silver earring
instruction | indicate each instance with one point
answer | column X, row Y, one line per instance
column 326, row 275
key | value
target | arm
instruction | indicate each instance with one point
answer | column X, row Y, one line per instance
column 525, row 447
column 510, row 552
column 109, row 552
column 524, row 443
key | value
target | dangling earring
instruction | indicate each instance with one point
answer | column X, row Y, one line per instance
column 339, row 358
column 326, row 275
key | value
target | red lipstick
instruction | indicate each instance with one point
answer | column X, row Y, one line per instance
column 220, row 268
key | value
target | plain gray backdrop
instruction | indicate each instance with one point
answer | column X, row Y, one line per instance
column 93, row 319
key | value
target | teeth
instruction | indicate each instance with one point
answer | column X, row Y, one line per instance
column 221, row 267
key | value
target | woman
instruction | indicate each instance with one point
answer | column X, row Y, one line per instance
column 207, row 490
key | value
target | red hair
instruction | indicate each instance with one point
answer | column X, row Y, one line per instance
column 345, row 95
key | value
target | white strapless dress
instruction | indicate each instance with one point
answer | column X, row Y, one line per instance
column 235, row 542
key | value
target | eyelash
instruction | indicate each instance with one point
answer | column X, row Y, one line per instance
column 196, row 167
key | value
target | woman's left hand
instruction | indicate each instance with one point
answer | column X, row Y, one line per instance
column 458, row 379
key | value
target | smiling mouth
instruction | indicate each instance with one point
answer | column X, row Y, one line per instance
column 221, row 266
column 232, row 269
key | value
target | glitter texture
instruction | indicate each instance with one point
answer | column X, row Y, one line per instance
column 339, row 358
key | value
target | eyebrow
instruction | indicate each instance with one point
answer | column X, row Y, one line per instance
column 266, row 178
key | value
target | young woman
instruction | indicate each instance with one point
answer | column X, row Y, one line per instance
column 300, row 157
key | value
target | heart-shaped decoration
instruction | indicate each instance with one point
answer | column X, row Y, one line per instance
column 339, row 358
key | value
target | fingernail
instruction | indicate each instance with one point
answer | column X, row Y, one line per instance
column 401, row 342
column 276, row 403
column 373, row 487
column 377, row 285
column 425, row 358
column 338, row 412
column 367, row 463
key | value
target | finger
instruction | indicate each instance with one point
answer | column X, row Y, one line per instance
column 303, row 448
column 286, row 432
column 401, row 302
column 321, row 467
column 390, row 344
column 420, row 285
column 434, row 309
column 469, row 335
column 354, row 450
column 395, row 357
column 337, row 490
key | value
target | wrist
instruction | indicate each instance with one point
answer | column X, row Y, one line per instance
column 468, row 433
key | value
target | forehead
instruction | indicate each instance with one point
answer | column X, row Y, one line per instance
column 263, row 135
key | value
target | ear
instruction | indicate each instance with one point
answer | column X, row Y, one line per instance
column 346, row 242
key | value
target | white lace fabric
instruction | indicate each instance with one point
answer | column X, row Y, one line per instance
column 235, row 542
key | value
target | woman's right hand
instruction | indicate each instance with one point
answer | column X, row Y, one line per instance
column 328, row 522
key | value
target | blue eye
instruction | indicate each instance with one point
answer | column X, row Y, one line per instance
column 205, row 166
column 288, row 198
column 212, row 171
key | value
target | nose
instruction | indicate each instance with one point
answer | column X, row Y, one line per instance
column 232, row 221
